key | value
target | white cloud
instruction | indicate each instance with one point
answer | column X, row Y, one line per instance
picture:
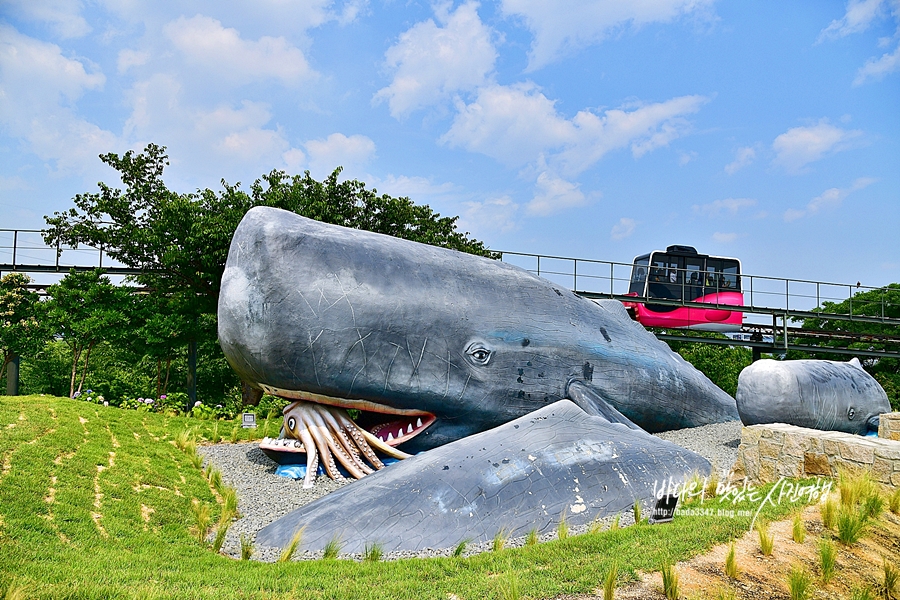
column 727, row 206
column 685, row 157
column 563, row 25
column 39, row 89
column 63, row 16
column 494, row 214
column 513, row 124
column 206, row 141
column 131, row 58
column 554, row 194
column 876, row 68
column 831, row 198
column 742, row 158
column 724, row 238
column 623, row 229
column 431, row 62
column 410, row 186
column 221, row 51
column 339, row 150
column 859, row 15
column 799, row 146
column 517, row 125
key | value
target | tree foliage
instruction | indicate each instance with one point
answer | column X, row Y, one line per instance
column 22, row 327
column 180, row 241
column 882, row 302
column 85, row 308
column 722, row 364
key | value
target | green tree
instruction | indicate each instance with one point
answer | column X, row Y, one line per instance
column 882, row 303
column 22, row 328
column 180, row 241
column 721, row 363
column 85, row 308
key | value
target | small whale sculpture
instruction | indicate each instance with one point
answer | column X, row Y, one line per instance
column 817, row 394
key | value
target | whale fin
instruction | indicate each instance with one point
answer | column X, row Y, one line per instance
column 593, row 404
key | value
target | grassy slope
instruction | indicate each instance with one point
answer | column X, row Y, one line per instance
column 95, row 502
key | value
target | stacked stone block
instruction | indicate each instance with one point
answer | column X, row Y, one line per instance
column 768, row 452
column 889, row 426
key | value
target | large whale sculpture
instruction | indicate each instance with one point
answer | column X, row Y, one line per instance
column 818, row 394
column 431, row 345
column 555, row 463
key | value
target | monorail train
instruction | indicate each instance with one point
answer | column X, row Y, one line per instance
column 680, row 275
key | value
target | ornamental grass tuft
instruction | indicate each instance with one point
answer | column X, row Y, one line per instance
column 890, row 582
column 850, row 526
column 894, row 502
column 532, row 538
column 609, row 581
column 862, row 593
column 15, row 591
column 562, row 529
column 221, row 532
column 332, row 548
column 246, row 547
column 829, row 513
column 202, row 518
column 766, row 539
column 288, row 553
column 731, row 567
column 460, row 548
column 500, row 540
column 373, row 553
column 510, row 588
column 799, row 583
column 670, row 581
column 636, row 512
column 827, row 559
column 798, row 528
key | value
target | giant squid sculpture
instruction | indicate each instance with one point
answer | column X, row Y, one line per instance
column 431, row 347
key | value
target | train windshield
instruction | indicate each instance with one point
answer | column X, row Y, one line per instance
column 639, row 275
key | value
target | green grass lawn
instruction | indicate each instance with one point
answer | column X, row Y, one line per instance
column 95, row 502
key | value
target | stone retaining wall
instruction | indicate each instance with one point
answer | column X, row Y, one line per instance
column 889, row 426
column 768, row 452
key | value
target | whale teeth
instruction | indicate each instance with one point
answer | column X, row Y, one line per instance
column 418, row 422
column 409, row 429
column 390, row 436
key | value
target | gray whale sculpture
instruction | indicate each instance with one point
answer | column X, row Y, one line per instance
column 526, row 474
column 817, row 394
column 440, row 343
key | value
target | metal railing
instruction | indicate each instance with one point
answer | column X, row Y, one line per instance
column 24, row 250
column 763, row 295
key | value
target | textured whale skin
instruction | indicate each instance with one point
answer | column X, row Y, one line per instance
column 525, row 474
column 817, row 394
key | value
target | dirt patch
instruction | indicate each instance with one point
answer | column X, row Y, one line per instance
column 764, row 577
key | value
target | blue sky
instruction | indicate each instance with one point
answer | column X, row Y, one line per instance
column 769, row 131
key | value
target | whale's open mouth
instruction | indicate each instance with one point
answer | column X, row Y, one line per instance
column 400, row 426
column 316, row 425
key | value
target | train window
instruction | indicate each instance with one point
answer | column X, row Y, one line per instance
column 693, row 278
column 722, row 274
column 639, row 275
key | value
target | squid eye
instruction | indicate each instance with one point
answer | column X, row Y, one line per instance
column 478, row 353
column 291, row 423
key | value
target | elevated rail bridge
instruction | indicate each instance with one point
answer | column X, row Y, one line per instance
column 771, row 303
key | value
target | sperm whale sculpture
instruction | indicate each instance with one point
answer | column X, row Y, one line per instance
column 818, row 394
column 430, row 345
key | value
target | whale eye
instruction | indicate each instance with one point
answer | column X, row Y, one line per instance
column 851, row 412
column 478, row 353
column 292, row 423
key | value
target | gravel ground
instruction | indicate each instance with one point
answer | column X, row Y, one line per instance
column 263, row 497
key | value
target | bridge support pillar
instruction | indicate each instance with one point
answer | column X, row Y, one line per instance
column 12, row 377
